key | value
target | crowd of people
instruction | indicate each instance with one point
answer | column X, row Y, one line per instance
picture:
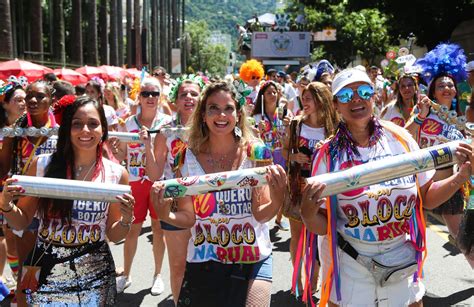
column 317, row 120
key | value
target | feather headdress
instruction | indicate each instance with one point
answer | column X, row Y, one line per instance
column 444, row 59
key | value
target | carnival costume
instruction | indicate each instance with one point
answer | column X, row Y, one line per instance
column 72, row 262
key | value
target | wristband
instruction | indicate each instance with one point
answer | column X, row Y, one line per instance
column 11, row 204
column 126, row 225
column 419, row 120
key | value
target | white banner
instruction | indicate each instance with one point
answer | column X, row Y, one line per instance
column 176, row 61
column 280, row 45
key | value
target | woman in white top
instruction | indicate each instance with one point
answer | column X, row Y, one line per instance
column 400, row 111
column 71, row 262
column 236, row 269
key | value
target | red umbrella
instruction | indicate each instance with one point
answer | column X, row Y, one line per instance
column 113, row 72
column 70, row 75
column 91, row 71
column 135, row 73
column 20, row 68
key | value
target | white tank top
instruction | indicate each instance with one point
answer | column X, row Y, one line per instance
column 225, row 230
column 89, row 218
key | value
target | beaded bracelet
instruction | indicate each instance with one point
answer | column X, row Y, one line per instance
column 419, row 120
column 127, row 225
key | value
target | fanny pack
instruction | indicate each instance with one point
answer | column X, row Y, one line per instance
column 388, row 268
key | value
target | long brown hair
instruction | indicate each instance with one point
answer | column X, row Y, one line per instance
column 199, row 132
column 324, row 106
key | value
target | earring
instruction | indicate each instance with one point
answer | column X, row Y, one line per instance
column 237, row 132
column 454, row 103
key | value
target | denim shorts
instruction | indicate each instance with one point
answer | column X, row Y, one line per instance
column 263, row 270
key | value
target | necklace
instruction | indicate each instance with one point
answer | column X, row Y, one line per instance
column 79, row 169
column 222, row 163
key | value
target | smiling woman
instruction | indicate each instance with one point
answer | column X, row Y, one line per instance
column 76, row 267
column 361, row 138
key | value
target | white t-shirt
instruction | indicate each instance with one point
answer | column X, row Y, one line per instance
column 225, row 230
column 435, row 131
column 380, row 212
column 394, row 115
column 136, row 158
column 89, row 218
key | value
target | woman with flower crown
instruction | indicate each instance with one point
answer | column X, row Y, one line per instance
column 161, row 157
column 236, row 271
column 438, row 120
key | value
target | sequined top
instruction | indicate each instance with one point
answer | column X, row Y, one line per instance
column 89, row 218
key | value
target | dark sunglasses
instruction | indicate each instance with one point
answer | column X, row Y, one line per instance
column 146, row 94
column 346, row 94
column 255, row 78
column 161, row 74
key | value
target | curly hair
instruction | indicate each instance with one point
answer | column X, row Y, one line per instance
column 251, row 68
column 199, row 132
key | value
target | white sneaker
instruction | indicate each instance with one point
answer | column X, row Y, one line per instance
column 123, row 282
column 158, row 286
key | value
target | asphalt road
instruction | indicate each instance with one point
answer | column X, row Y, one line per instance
column 449, row 279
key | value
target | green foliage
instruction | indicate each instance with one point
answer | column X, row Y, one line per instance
column 223, row 15
column 432, row 21
column 362, row 32
column 211, row 59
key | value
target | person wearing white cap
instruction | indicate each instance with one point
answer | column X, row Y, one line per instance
column 382, row 222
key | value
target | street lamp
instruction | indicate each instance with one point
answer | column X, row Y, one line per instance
column 411, row 40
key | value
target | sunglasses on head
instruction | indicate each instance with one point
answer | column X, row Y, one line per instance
column 346, row 94
column 146, row 94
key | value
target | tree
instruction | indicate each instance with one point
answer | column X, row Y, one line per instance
column 76, row 33
column 361, row 32
column 103, row 35
column 6, row 47
column 59, row 45
column 36, row 29
column 432, row 21
column 113, row 32
column 91, row 45
column 204, row 56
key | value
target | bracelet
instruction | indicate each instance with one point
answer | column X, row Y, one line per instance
column 9, row 209
column 419, row 120
column 126, row 225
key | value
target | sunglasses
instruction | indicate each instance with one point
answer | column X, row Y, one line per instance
column 346, row 94
column 160, row 74
column 255, row 78
column 146, row 94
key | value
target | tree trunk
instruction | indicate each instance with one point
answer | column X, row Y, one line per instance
column 76, row 33
column 162, row 32
column 119, row 33
column 144, row 32
column 103, row 35
column 6, row 47
column 138, row 41
column 113, row 33
column 130, row 42
column 154, row 33
column 169, row 41
column 36, row 30
column 59, row 46
column 91, row 45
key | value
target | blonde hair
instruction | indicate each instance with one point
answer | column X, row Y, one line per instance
column 324, row 106
column 113, row 87
column 198, row 130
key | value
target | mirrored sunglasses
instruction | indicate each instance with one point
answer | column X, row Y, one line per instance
column 346, row 94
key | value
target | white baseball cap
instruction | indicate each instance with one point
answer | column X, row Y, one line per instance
column 470, row 66
column 348, row 76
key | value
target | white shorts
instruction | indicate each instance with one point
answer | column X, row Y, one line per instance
column 358, row 287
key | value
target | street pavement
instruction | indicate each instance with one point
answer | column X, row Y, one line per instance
column 449, row 279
